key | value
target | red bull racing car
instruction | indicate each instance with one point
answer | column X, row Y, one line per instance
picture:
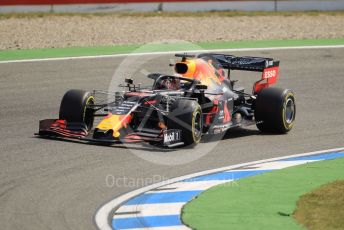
column 177, row 110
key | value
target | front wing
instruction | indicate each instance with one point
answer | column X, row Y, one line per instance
column 77, row 130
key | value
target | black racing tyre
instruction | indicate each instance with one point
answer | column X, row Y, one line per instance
column 275, row 110
column 73, row 107
column 186, row 115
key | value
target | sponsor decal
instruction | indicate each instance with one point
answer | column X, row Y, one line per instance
column 270, row 73
column 217, row 130
column 172, row 136
column 124, row 108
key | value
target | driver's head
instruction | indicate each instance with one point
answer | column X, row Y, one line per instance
column 171, row 83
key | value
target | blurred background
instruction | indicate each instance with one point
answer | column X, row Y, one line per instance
column 30, row 24
column 167, row 5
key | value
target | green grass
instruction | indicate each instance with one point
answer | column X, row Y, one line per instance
column 173, row 14
column 322, row 208
column 6, row 55
column 264, row 201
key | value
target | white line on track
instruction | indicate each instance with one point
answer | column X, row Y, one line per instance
column 170, row 52
column 102, row 215
column 182, row 227
column 275, row 165
column 149, row 210
column 189, row 186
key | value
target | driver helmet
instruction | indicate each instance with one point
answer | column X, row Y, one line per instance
column 170, row 84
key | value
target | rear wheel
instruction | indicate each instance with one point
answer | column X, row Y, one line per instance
column 275, row 110
column 73, row 107
column 186, row 115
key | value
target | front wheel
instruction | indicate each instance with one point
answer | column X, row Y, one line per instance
column 275, row 110
column 74, row 108
column 186, row 115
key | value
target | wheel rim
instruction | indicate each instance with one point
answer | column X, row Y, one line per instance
column 289, row 111
column 197, row 125
column 88, row 118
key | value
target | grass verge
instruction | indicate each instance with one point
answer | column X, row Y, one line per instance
column 264, row 201
column 6, row 55
column 322, row 208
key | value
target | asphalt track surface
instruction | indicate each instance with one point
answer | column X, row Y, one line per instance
column 47, row 184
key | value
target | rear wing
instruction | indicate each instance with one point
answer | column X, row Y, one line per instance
column 267, row 66
column 257, row 64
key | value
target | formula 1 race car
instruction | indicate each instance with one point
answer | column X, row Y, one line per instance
column 177, row 110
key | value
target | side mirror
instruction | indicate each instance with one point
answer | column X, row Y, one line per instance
column 129, row 81
column 201, row 87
